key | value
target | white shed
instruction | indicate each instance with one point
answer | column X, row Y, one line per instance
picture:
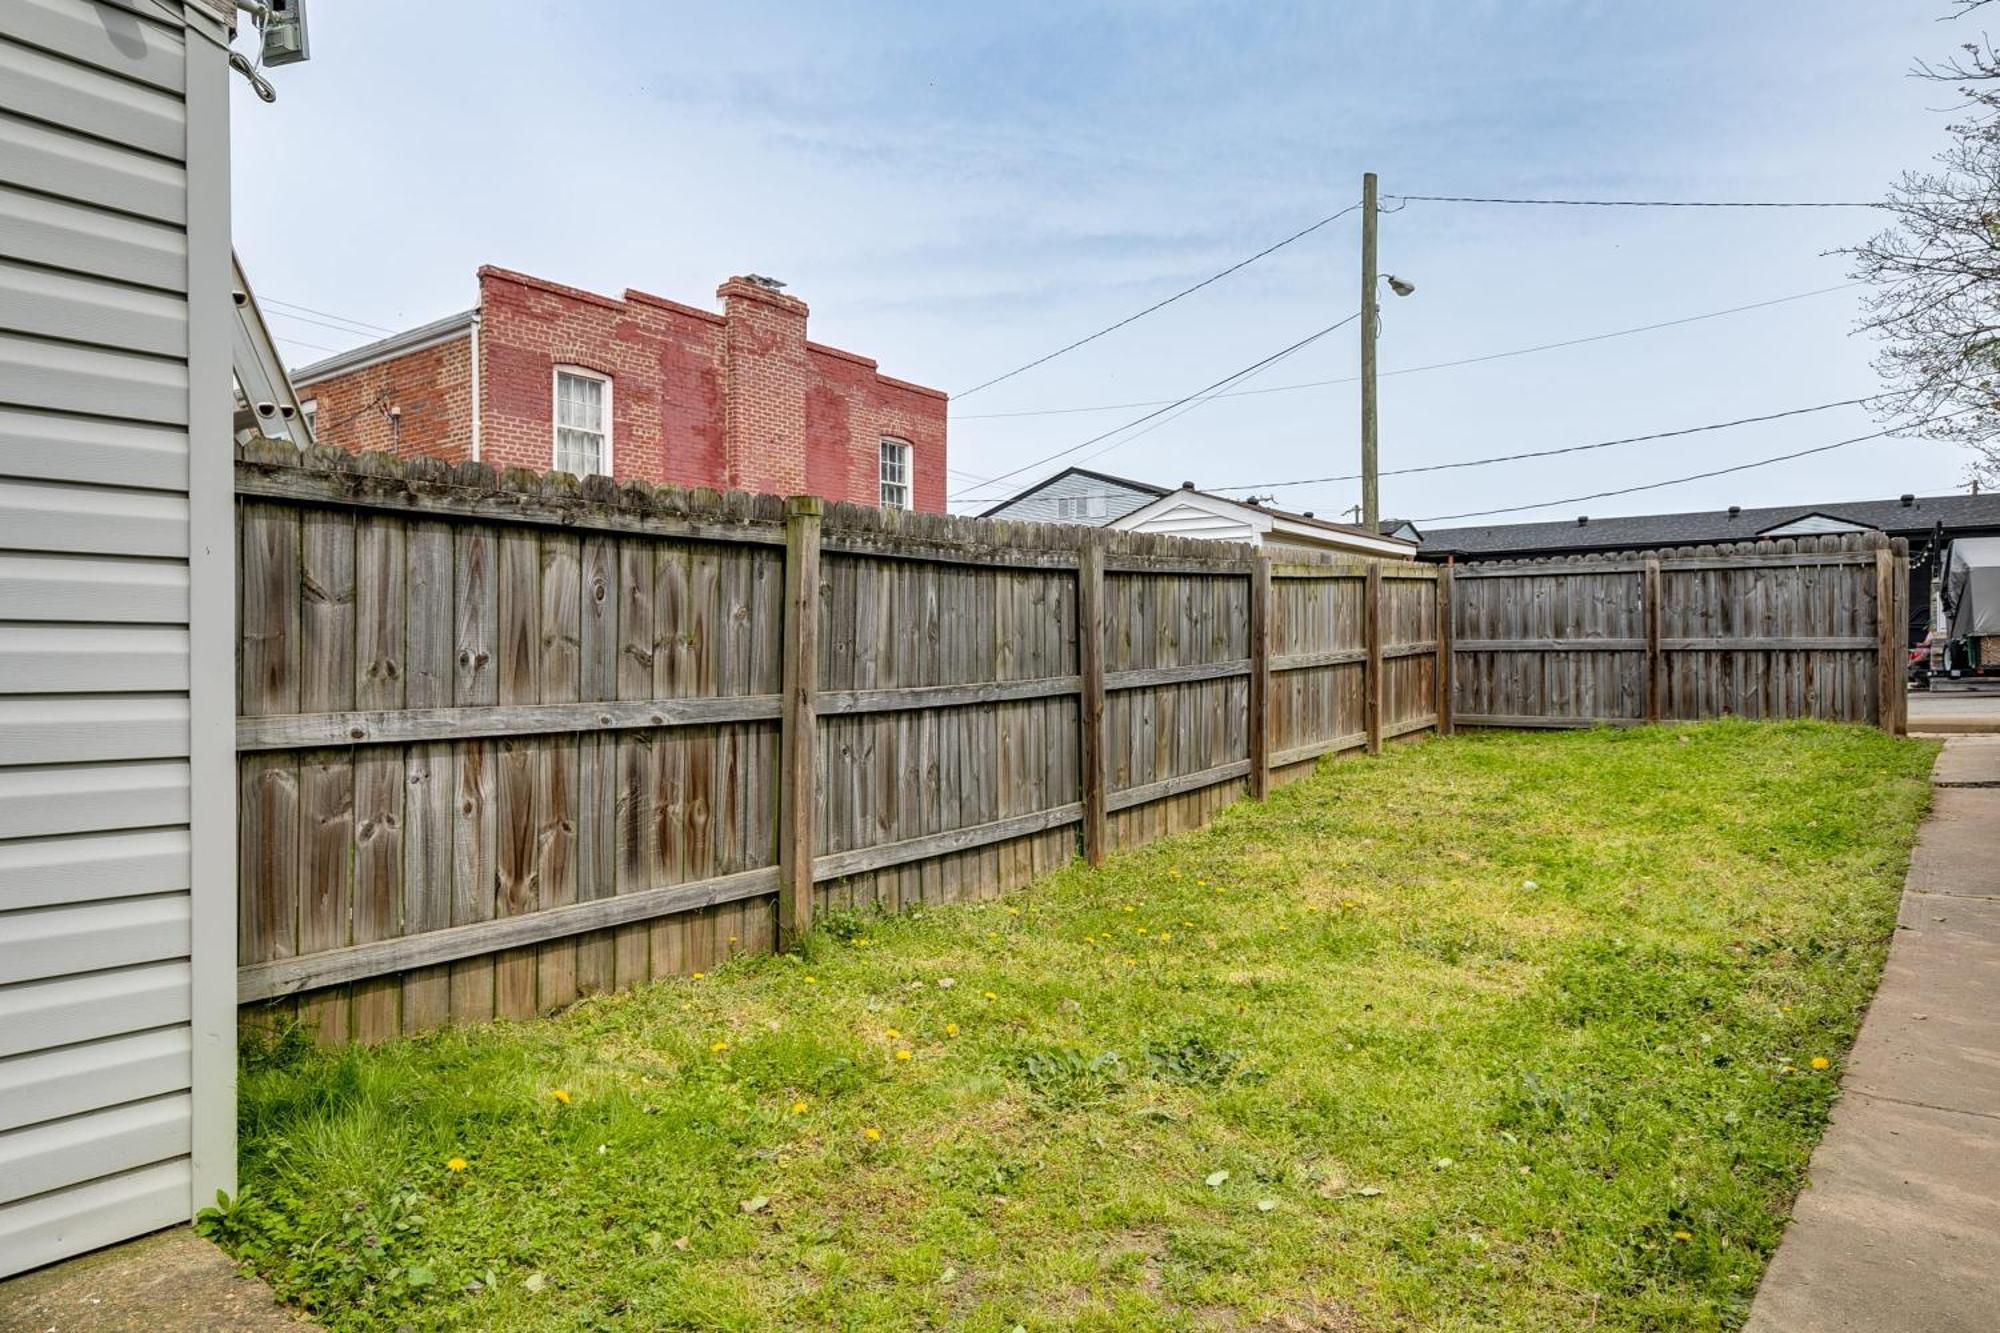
column 1191, row 513
column 117, row 789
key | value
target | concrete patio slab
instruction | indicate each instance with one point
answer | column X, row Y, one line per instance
column 162, row 1283
column 1899, row 1229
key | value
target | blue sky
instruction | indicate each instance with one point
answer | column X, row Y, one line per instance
column 957, row 189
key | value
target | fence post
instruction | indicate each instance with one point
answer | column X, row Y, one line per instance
column 1090, row 711
column 1444, row 661
column 1902, row 582
column 1888, row 639
column 798, row 718
column 1260, row 676
column 1371, row 684
column 1649, row 611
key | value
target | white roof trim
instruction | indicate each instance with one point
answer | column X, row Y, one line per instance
column 1267, row 523
column 385, row 349
column 1815, row 524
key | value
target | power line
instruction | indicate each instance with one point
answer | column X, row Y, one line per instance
column 1639, row 203
column 1551, row 453
column 301, row 342
column 1207, row 389
column 1160, row 305
column 323, row 314
column 1696, row 476
column 319, row 323
column 1434, row 365
column 1201, row 401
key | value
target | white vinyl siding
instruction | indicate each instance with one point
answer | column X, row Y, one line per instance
column 896, row 477
column 1076, row 497
column 583, row 422
column 115, row 1059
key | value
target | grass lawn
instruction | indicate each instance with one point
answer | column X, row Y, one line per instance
column 1507, row 1032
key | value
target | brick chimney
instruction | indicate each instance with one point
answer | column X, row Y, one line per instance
column 764, row 387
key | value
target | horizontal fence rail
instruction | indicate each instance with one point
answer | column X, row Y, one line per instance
column 505, row 740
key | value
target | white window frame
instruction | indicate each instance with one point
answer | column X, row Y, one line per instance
column 905, row 463
column 555, row 415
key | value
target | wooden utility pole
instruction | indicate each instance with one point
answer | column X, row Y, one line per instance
column 1370, row 504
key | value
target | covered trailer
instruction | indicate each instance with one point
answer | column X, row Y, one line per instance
column 1971, row 606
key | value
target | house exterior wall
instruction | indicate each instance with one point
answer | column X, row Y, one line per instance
column 431, row 390
column 1194, row 521
column 117, row 730
column 739, row 399
column 1076, row 498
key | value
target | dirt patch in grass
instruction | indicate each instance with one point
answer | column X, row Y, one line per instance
column 1507, row 1032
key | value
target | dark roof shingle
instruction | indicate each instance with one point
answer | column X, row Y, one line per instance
column 1703, row 527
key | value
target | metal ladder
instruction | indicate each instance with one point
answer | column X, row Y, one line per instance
column 260, row 375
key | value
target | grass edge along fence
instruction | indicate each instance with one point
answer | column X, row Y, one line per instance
column 504, row 740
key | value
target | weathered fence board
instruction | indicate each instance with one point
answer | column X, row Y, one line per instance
column 508, row 741
column 1773, row 629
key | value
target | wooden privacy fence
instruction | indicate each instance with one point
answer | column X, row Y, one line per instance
column 1805, row 627
column 506, row 741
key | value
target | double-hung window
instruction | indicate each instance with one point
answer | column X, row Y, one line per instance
column 895, row 474
column 583, row 422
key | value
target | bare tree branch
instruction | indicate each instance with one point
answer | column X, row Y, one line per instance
column 1935, row 309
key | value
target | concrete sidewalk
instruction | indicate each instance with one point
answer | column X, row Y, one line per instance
column 1954, row 712
column 1899, row 1231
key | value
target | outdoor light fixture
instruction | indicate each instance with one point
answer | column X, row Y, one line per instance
column 1397, row 285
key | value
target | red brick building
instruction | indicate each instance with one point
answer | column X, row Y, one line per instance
column 543, row 376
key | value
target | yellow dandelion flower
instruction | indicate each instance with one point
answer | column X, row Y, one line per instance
column 560, row 1094
column 455, row 1164
column 1682, row 1235
column 719, row 1047
column 1013, row 911
column 1201, row 883
column 696, row 976
column 951, row 1029
column 798, row 1108
column 1820, row 1062
column 1164, row 937
column 1175, row 871
column 812, row 981
column 891, row 1033
column 989, row 995
column 872, row 1134
column 1130, row 908
column 732, row 939
column 902, row 1055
